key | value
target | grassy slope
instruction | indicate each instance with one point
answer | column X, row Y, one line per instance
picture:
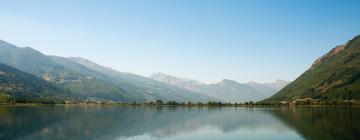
column 335, row 76
column 86, row 84
column 20, row 84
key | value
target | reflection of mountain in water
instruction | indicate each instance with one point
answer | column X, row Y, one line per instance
column 101, row 122
column 106, row 122
column 333, row 123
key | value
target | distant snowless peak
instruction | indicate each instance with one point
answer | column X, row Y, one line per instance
column 159, row 76
column 226, row 89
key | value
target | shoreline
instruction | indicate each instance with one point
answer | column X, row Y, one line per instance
column 164, row 105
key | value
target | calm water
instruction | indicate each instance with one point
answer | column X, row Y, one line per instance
column 178, row 123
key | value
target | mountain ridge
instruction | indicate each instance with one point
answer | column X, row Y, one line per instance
column 333, row 76
column 228, row 87
column 25, row 87
column 91, row 83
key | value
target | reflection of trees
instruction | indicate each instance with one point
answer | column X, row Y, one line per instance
column 15, row 123
column 332, row 123
column 106, row 122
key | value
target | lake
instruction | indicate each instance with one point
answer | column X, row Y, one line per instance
column 94, row 122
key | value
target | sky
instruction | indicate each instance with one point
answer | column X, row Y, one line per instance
column 207, row 40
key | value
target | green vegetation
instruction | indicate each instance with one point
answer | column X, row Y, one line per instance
column 41, row 100
column 333, row 77
column 90, row 81
column 187, row 104
column 228, row 104
column 311, row 102
column 6, row 99
column 18, row 84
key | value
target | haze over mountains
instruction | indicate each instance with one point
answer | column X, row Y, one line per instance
column 227, row 90
column 27, row 73
column 85, row 79
column 93, row 81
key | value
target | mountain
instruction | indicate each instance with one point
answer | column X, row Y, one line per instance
column 21, row 85
column 227, row 90
column 278, row 84
column 232, row 91
column 151, row 88
column 334, row 76
column 262, row 88
column 91, row 80
column 268, row 89
column 179, row 82
column 82, row 83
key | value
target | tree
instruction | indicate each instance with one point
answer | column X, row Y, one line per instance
column 159, row 102
column 171, row 103
column 5, row 98
column 251, row 103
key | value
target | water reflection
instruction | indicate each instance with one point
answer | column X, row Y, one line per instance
column 107, row 122
column 327, row 123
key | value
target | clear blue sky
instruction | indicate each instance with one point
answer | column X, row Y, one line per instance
column 208, row 40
